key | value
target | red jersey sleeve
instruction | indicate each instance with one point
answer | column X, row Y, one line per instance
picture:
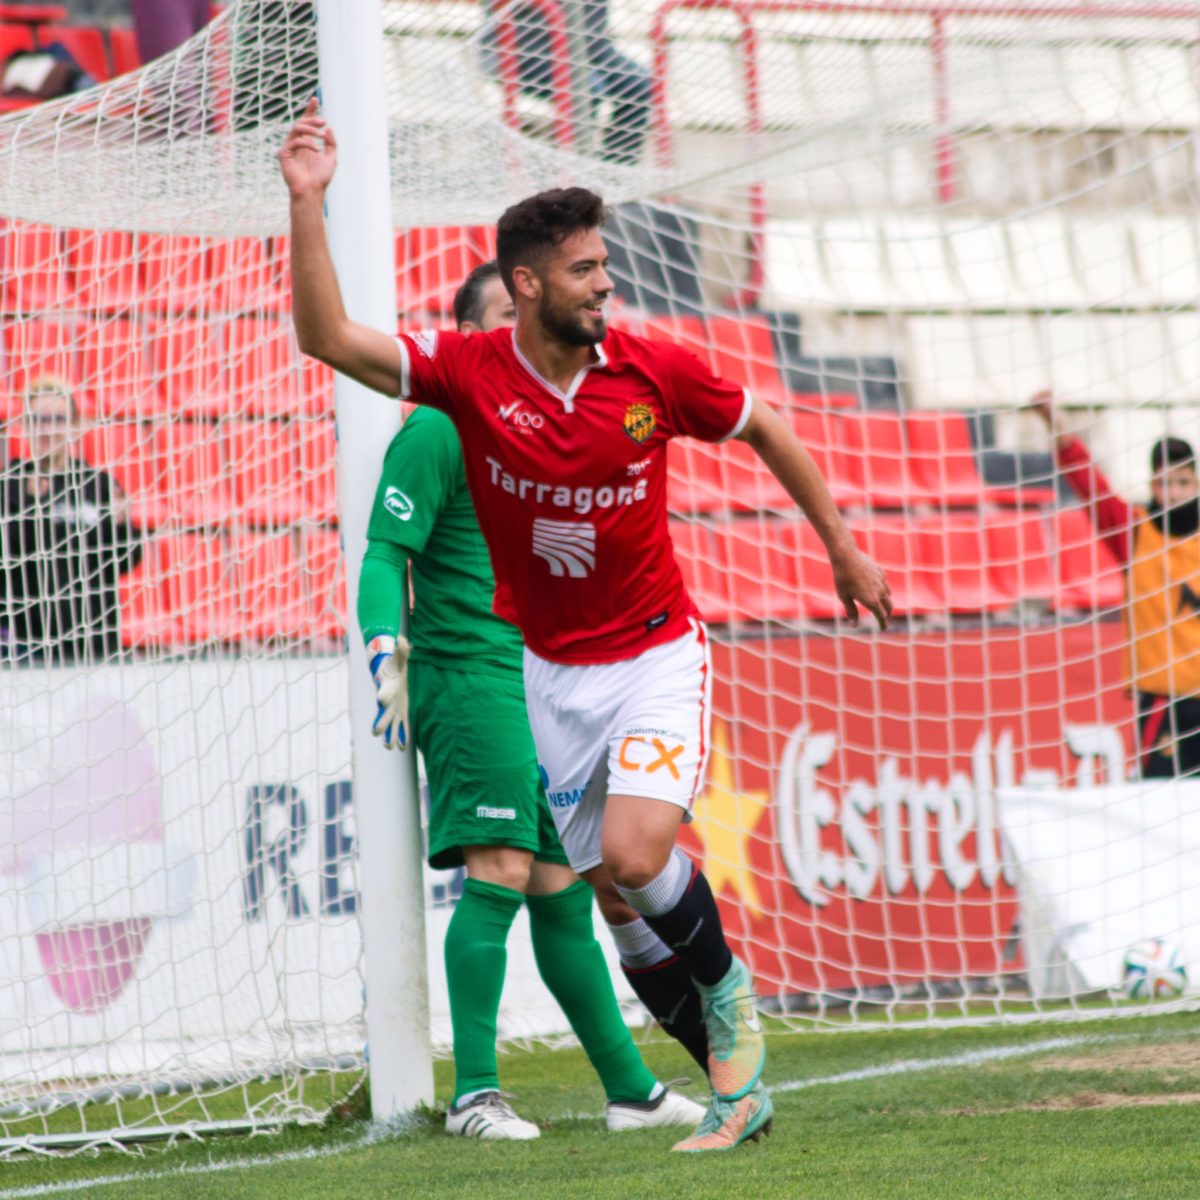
column 431, row 367
column 698, row 403
column 1112, row 516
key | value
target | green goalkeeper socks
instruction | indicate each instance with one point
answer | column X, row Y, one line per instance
column 476, row 959
column 573, row 967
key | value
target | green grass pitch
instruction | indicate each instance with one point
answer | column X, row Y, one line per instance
column 1090, row 1109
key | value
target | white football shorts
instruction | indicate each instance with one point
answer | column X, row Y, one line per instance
column 634, row 728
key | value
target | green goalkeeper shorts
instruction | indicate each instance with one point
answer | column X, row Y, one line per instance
column 484, row 784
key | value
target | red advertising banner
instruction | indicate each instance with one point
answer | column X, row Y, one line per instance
column 848, row 825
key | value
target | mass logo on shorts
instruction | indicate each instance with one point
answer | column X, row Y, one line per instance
column 639, row 422
column 398, row 504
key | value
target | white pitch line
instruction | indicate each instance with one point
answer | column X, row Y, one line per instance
column 906, row 1066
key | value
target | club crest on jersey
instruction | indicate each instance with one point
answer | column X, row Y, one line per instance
column 426, row 342
column 639, row 422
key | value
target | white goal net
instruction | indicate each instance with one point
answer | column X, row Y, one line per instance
column 895, row 226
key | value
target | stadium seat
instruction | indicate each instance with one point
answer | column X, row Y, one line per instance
column 1018, row 557
column 821, row 434
column 1088, row 574
column 695, row 478
column 174, row 273
column 128, row 450
column 188, row 359
column 263, row 460
column 819, row 599
column 244, row 277
column 34, row 275
column 941, row 457
column 192, row 475
column 761, row 558
column 125, row 56
column 954, row 549
column 317, row 445
column 431, row 263
column 102, row 270
column 112, row 368
column 890, row 540
column 272, row 602
column 38, row 348
column 748, row 484
column 704, row 574
column 83, row 43
column 876, row 449
column 324, row 582
column 265, row 368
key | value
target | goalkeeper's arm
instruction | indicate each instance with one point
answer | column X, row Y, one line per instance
column 382, row 595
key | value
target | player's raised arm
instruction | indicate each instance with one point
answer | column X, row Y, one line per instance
column 307, row 160
column 857, row 578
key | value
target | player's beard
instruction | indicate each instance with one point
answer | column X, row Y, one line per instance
column 567, row 324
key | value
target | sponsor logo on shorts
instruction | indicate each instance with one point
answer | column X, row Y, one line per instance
column 496, row 814
column 398, row 504
column 565, row 799
column 639, row 422
column 649, row 754
column 568, row 546
column 426, row 342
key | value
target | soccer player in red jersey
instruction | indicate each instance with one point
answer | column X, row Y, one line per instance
column 564, row 426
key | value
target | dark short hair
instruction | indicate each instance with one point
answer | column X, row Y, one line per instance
column 468, row 300
column 1171, row 452
column 532, row 228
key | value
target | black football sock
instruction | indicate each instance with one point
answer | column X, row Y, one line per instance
column 668, row 991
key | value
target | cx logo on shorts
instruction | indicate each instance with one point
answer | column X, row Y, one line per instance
column 666, row 756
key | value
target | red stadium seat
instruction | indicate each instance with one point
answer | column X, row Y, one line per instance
column 818, row 596
column 188, row 361
column 432, row 263
column 704, row 574
column 1018, row 556
column 875, row 444
column 749, row 486
column 263, row 459
column 34, row 275
column 324, row 582
column 128, row 450
column 103, row 270
column 317, row 444
column 174, row 273
column 244, row 277
column 695, row 481
column 821, row 434
column 271, row 593
column 113, row 370
column 941, row 457
column 181, row 593
column 891, row 541
column 193, row 477
column 265, row 368
column 1088, row 575
column 954, row 548
column 125, row 56
column 83, row 43
column 761, row 558
column 35, row 349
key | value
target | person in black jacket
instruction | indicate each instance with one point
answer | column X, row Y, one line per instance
column 65, row 539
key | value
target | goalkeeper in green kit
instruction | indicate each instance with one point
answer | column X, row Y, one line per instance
column 460, row 695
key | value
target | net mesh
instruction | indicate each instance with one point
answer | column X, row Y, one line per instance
column 895, row 226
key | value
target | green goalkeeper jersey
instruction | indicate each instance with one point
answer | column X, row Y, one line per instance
column 423, row 507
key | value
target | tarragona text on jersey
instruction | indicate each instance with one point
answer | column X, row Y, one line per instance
column 570, row 487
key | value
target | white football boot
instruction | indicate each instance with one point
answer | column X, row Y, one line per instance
column 668, row 1108
column 489, row 1116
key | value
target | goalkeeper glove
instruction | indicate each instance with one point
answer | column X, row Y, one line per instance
column 389, row 669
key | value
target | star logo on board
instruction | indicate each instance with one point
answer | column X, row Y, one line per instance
column 725, row 820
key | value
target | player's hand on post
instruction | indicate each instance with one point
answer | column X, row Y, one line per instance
column 308, row 156
column 860, row 580
column 389, row 670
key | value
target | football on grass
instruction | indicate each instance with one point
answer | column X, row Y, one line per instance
column 1153, row 969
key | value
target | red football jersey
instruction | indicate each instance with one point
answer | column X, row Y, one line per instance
column 570, row 488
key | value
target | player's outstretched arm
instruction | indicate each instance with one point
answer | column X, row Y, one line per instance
column 857, row 578
column 307, row 160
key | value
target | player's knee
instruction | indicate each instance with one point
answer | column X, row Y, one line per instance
column 633, row 866
column 505, row 866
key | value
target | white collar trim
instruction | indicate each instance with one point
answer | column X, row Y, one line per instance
column 567, row 397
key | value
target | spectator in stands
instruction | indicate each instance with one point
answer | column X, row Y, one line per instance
column 162, row 25
column 1159, row 545
column 65, row 538
column 611, row 75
